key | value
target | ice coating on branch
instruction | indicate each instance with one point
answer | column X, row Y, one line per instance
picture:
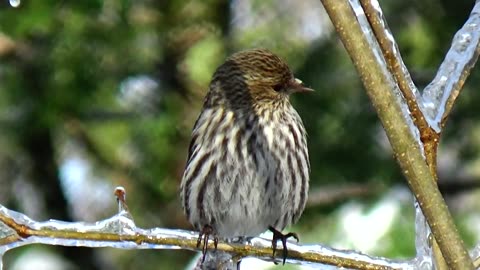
column 327, row 251
column 424, row 254
column 120, row 224
column 121, row 232
column 396, row 53
column 124, row 234
column 375, row 47
column 365, row 25
column 454, row 69
column 475, row 253
column 5, row 231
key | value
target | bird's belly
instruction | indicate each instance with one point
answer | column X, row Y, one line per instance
column 255, row 181
column 247, row 213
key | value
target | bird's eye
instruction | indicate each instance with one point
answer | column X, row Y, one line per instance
column 278, row 87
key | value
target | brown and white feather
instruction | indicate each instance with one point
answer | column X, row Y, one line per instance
column 248, row 165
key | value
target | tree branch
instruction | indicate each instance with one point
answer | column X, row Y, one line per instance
column 428, row 136
column 120, row 231
column 384, row 94
column 440, row 95
column 397, row 68
column 394, row 61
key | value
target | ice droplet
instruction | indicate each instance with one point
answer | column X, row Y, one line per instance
column 14, row 3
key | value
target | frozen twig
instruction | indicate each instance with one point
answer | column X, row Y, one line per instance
column 394, row 61
column 428, row 136
column 440, row 95
column 348, row 17
column 120, row 231
column 476, row 255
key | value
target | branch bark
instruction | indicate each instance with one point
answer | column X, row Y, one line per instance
column 442, row 92
column 383, row 91
column 429, row 138
column 119, row 231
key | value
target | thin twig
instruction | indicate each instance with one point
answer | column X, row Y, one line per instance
column 95, row 235
column 440, row 95
column 395, row 64
column 381, row 89
column 428, row 136
column 394, row 61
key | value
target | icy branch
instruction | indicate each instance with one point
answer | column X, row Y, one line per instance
column 429, row 137
column 424, row 254
column 440, row 95
column 394, row 60
column 119, row 231
column 476, row 255
column 417, row 158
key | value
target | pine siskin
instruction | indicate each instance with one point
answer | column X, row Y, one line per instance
column 248, row 166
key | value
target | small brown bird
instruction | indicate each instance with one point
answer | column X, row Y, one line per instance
column 248, row 167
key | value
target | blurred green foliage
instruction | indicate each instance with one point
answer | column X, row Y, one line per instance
column 74, row 79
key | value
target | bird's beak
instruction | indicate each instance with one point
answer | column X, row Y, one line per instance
column 297, row 86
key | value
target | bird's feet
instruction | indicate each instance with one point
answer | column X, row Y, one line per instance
column 205, row 234
column 283, row 237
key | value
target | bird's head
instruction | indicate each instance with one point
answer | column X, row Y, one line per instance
column 266, row 74
column 260, row 74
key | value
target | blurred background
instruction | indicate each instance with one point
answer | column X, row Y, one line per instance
column 98, row 94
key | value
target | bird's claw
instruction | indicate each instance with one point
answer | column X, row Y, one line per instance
column 277, row 235
column 205, row 234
